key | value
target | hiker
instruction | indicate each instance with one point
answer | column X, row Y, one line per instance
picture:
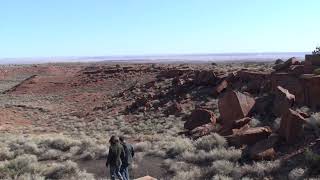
column 128, row 157
column 116, row 153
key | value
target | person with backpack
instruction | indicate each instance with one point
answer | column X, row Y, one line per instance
column 128, row 158
column 114, row 159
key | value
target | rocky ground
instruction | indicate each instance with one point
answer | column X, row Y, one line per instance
column 186, row 121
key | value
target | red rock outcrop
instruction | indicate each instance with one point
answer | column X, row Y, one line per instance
column 249, row 136
column 234, row 105
column 198, row 118
column 291, row 125
column 205, row 77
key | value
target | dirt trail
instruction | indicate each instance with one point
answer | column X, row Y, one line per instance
column 147, row 166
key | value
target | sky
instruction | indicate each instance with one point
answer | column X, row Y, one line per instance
column 38, row 28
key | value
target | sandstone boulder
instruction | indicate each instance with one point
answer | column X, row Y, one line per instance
column 198, row 118
column 234, row 105
column 283, row 101
column 205, row 77
column 291, row 125
column 249, row 136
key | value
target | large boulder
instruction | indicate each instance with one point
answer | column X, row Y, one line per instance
column 249, row 136
column 205, row 77
column 264, row 150
column 291, row 125
column 283, row 101
column 198, row 118
column 234, row 105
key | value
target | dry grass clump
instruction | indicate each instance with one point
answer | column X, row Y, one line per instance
column 51, row 147
column 203, row 157
column 178, row 147
column 210, row 142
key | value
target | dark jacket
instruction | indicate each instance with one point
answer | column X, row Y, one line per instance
column 116, row 153
column 129, row 154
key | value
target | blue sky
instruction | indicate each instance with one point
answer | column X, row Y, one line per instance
column 37, row 28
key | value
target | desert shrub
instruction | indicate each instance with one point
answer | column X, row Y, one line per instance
column 222, row 167
column 28, row 176
column 312, row 161
column 296, row 174
column 257, row 169
column 179, row 146
column 64, row 170
column 51, row 154
column 221, row 177
column 5, row 153
column 127, row 130
column 18, row 166
column 209, row 142
column 142, row 146
column 194, row 173
column 59, row 143
column 202, row 157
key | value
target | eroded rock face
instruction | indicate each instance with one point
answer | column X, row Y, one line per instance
column 234, row 105
column 283, row 101
column 291, row 125
column 198, row 118
column 250, row 136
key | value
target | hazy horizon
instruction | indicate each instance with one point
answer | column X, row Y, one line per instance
column 199, row 57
